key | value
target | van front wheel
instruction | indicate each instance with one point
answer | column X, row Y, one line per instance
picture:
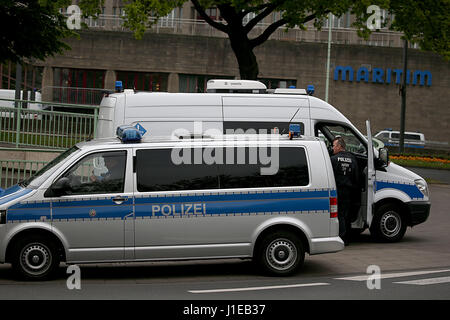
column 389, row 224
column 281, row 254
column 35, row 258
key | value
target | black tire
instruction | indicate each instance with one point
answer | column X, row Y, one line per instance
column 389, row 224
column 280, row 254
column 35, row 258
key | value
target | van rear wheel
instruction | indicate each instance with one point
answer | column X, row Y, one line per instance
column 389, row 224
column 280, row 254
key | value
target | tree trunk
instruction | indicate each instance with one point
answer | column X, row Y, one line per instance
column 246, row 59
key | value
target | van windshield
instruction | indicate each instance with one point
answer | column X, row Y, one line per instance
column 39, row 177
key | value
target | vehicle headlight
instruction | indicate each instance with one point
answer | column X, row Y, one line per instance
column 422, row 185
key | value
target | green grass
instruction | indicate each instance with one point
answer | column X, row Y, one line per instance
column 422, row 164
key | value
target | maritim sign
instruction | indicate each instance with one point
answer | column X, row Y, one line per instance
column 379, row 75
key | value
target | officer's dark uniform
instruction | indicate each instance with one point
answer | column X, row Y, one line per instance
column 345, row 170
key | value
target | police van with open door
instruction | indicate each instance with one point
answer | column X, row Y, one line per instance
column 400, row 197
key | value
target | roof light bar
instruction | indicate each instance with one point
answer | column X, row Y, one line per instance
column 128, row 134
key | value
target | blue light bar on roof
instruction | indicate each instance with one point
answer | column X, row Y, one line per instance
column 294, row 130
column 128, row 134
column 119, row 86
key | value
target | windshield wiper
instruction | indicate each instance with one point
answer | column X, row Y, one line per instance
column 23, row 183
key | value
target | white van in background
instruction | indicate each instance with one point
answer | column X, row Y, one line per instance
column 392, row 199
column 392, row 138
column 10, row 94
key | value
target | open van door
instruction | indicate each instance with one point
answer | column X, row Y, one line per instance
column 371, row 175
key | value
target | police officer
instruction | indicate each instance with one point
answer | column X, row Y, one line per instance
column 345, row 170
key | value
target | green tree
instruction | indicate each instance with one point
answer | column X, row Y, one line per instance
column 425, row 22
column 36, row 28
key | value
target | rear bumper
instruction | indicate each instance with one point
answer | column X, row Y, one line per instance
column 419, row 211
column 326, row 245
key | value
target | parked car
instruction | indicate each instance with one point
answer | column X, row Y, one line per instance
column 392, row 138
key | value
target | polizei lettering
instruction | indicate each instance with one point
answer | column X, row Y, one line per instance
column 341, row 159
column 179, row 209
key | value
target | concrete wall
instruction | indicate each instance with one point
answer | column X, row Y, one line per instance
column 427, row 106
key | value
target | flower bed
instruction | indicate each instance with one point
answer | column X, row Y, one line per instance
column 421, row 161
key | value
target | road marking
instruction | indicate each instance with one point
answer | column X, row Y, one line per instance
column 392, row 275
column 261, row 288
column 424, row 282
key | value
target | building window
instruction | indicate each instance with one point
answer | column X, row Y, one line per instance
column 213, row 13
column 31, row 77
column 278, row 83
column 196, row 83
column 78, row 86
column 143, row 81
column 339, row 22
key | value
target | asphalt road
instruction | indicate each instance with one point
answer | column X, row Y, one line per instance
column 418, row 267
column 441, row 176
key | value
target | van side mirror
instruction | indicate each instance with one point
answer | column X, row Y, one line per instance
column 59, row 188
column 383, row 156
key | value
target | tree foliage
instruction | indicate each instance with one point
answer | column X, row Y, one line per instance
column 424, row 22
column 36, row 28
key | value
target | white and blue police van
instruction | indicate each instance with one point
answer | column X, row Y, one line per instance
column 391, row 197
column 270, row 198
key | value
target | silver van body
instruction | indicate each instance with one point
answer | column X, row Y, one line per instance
column 132, row 225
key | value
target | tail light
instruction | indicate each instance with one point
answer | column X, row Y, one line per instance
column 333, row 207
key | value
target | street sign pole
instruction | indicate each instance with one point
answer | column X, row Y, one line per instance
column 403, row 93
column 327, row 83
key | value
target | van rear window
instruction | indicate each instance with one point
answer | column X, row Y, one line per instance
column 156, row 170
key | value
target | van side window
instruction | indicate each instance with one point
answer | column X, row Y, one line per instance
column 292, row 171
column 102, row 172
column 412, row 137
column 156, row 171
column 253, row 127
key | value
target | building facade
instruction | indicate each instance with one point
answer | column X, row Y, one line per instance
column 181, row 53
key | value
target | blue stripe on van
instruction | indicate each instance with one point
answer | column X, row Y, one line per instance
column 232, row 204
column 233, row 197
column 411, row 190
column 13, row 193
column 104, row 208
column 195, row 204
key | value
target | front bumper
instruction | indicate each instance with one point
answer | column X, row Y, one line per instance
column 419, row 211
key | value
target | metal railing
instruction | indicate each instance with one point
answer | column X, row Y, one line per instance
column 74, row 95
column 13, row 171
column 172, row 25
column 43, row 128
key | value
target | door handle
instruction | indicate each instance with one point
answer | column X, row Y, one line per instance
column 119, row 199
